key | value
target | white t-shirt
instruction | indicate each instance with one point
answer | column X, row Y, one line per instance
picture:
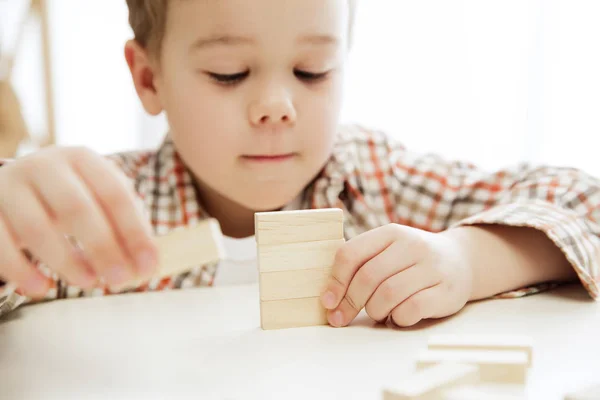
column 241, row 266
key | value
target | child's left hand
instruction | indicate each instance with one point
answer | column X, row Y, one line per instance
column 399, row 272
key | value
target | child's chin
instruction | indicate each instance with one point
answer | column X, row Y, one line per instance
column 274, row 200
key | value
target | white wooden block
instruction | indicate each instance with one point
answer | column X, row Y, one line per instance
column 482, row 342
column 586, row 393
column 431, row 382
column 292, row 313
column 494, row 366
column 295, row 256
column 279, row 227
column 293, row 284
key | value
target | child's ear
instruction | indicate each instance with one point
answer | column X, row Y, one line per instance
column 143, row 72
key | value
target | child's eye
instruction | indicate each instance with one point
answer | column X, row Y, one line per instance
column 229, row 79
column 310, row 76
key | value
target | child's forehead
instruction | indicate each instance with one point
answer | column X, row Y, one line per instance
column 256, row 18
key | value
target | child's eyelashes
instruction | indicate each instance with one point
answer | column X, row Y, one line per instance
column 229, row 79
column 311, row 77
column 232, row 79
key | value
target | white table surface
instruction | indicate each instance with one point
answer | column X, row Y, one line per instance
column 207, row 344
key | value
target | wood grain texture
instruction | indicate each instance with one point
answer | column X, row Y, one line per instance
column 292, row 313
column 299, row 226
column 293, row 284
column 296, row 256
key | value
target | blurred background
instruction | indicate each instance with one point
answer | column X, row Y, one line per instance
column 488, row 81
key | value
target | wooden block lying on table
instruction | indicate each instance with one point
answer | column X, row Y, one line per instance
column 483, row 393
column 297, row 284
column 298, row 226
column 431, row 382
column 494, row 366
column 482, row 342
column 292, row 313
column 296, row 256
column 586, row 393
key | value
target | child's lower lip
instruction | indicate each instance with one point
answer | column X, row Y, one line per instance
column 269, row 159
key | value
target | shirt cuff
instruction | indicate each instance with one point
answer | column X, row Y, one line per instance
column 575, row 235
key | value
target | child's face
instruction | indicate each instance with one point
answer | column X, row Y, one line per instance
column 252, row 92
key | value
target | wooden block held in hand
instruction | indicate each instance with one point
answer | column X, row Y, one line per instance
column 494, row 366
column 278, row 227
column 429, row 383
column 185, row 248
column 293, row 284
column 292, row 313
column 296, row 256
column 482, row 342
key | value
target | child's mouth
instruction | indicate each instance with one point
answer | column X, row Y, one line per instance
column 270, row 158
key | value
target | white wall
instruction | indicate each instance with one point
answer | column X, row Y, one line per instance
column 494, row 82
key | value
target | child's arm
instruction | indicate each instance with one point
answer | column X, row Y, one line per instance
column 508, row 258
column 464, row 231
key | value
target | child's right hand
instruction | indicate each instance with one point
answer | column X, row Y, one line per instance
column 71, row 191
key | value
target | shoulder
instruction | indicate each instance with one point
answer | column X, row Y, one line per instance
column 361, row 149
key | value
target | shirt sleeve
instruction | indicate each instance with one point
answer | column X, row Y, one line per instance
column 429, row 192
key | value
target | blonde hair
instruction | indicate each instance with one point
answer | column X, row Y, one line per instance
column 148, row 19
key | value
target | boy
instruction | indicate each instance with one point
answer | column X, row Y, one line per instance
column 252, row 92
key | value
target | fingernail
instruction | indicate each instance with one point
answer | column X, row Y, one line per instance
column 329, row 300
column 36, row 286
column 146, row 263
column 337, row 319
column 117, row 275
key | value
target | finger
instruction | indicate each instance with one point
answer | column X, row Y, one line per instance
column 398, row 288
column 29, row 221
column 395, row 258
column 16, row 269
column 352, row 256
column 421, row 305
column 75, row 211
column 116, row 196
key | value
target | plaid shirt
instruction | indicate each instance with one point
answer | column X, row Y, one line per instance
column 377, row 181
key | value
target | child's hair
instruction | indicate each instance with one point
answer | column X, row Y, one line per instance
column 148, row 19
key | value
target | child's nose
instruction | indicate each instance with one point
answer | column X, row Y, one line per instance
column 274, row 110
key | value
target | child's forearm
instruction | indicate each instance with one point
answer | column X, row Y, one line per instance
column 507, row 258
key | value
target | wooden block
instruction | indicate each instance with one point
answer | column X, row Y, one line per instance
column 497, row 392
column 295, row 256
column 494, row 366
column 292, row 313
column 293, row 284
column 280, row 227
column 185, row 248
column 431, row 382
column 483, row 342
column 586, row 393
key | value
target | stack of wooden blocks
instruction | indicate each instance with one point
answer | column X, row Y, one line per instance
column 452, row 361
column 296, row 251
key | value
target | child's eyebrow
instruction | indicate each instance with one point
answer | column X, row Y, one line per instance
column 224, row 40
column 323, row 39
column 233, row 40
